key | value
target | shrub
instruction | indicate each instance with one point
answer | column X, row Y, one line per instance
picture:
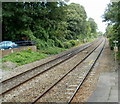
column 51, row 42
column 67, row 45
column 73, row 43
column 58, row 43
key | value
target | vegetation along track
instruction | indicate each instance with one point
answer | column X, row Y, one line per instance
column 15, row 81
column 59, row 91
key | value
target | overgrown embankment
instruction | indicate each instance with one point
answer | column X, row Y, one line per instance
column 49, row 24
column 54, row 26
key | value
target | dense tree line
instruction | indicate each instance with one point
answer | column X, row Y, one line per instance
column 112, row 16
column 47, row 23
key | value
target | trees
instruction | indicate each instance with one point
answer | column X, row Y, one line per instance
column 93, row 25
column 76, row 20
column 47, row 23
column 112, row 16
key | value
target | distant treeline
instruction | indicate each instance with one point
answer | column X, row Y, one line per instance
column 47, row 23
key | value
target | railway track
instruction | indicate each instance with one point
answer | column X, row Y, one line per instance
column 21, row 78
column 92, row 66
column 50, row 94
column 73, row 68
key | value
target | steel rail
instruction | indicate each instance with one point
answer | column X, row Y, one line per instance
column 86, row 74
column 71, row 55
column 45, row 92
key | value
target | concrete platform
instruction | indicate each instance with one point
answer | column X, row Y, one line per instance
column 107, row 88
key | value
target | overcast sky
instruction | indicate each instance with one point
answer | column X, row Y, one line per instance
column 95, row 9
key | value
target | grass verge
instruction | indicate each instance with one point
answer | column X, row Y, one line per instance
column 24, row 57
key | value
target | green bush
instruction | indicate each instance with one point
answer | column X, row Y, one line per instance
column 51, row 43
column 58, row 43
column 73, row 42
column 41, row 44
column 67, row 45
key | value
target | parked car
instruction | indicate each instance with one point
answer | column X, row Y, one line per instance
column 7, row 45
